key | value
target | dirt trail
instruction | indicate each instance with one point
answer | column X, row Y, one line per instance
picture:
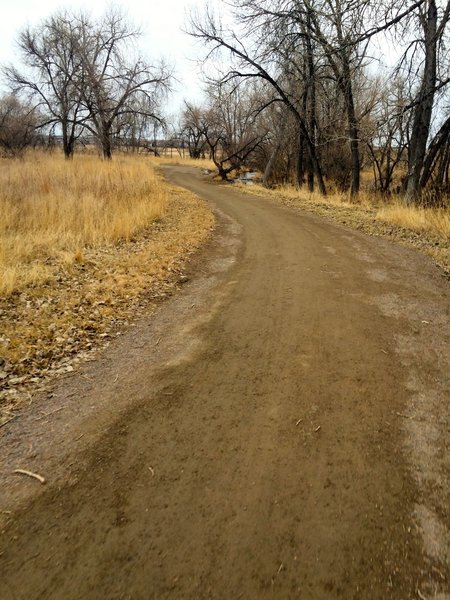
column 277, row 431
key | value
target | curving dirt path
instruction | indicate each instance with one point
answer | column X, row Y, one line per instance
column 277, row 430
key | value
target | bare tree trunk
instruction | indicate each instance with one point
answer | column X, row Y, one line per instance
column 353, row 128
column 354, row 148
column 300, row 162
column 67, row 142
column 106, row 145
column 317, row 170
column 270, row 163
column 439, row 142
column 443, row 168
column 424, row 107
column 269, row 167
column 447, row 165
column 312, row 99
column 312, row 154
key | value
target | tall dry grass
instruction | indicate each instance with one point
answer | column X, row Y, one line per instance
column 430, row 220
column 176, row 159
column 290, row 192
column 51, row 209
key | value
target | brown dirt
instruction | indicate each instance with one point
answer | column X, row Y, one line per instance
column 277, row 430
column 362, row 217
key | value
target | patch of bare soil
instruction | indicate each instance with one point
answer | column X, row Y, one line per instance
column 48, row 330
column 363, row 218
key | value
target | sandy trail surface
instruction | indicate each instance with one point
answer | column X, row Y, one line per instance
column 279, row 429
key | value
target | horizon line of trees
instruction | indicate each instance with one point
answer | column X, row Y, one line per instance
column 297, row 97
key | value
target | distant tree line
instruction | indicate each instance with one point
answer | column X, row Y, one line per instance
column 81, row 77
column 301, row 100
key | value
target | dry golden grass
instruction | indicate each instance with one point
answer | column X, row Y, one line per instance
column 289, row 192
column 434, row 220
column 52, row 209
column 98, row 274
column 176, row 159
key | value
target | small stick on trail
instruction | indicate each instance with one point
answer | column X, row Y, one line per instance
column 30, row 474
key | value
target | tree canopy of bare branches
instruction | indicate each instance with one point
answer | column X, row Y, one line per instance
column 84, row 77
column 18, row 124
column 314, row 57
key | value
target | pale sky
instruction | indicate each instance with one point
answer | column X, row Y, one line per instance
column 160, row 21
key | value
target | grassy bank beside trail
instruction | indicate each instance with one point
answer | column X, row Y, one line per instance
column 426, row 229
column 86, row 247
column 51, row 210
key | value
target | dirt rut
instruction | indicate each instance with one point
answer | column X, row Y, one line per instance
column 286, row 439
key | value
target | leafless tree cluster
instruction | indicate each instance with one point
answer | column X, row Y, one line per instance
column 315, row 59
column 83, row 78
column 229, row 127
column 18, row 125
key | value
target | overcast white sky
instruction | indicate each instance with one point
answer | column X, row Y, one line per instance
column 160, row 21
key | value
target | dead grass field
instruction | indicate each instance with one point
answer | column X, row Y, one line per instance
column 435, row 221
column 51, row 210
column 176, row 159
column 86, row 246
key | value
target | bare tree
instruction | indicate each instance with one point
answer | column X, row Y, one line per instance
column 80, row 71
column 437, row 162
column 297, row 47
column 432, row 21
column 258, row 62
column 337, row 25
column 193, row 126
column 332, row 34
column 230, row 126
column 18, row 124
column 387, row 135
column 277, row 138
column 136, row 127
column 110, row 82
column 51, row 67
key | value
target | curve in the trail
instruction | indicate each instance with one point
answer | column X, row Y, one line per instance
column 281, row 457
